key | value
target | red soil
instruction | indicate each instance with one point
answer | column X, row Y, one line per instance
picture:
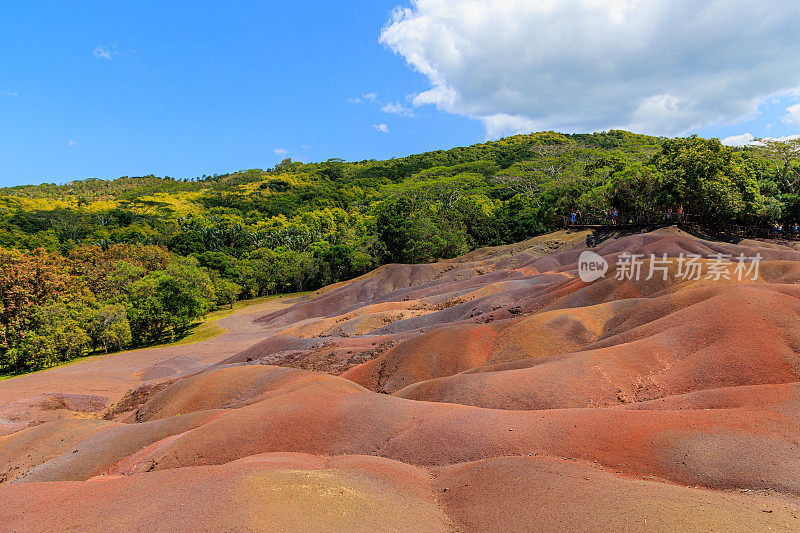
column 492, row 392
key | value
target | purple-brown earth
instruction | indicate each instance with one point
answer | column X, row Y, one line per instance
column 493, row 392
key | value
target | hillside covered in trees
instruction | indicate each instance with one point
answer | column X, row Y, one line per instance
column 100, row 265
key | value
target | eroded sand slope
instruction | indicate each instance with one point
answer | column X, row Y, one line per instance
column 496, row 391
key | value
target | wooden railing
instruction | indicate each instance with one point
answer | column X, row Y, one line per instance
column 648, row 219
column 665, row 219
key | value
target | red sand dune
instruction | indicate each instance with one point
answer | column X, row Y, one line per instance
column 496, row 391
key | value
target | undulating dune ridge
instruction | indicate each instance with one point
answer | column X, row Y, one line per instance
column 497, row 391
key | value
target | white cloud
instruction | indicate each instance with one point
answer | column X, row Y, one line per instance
column 280, row 151
column 662, row 67
column 383, row 128
column 12, row 93
column 739, row 140
column 364, row 98
column 396, row 108
column 792, row 114
column 501, row 125
column 105, row 52
column 72, row 143
column 747, row 139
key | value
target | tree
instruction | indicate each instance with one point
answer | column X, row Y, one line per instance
column 707, row 179
column 784, row 154
column 394, row 226
column 165, row 302
column 52, row 334
column 28, row 280
column 225, row 291
column 549, row 166
column 634, row 189
column 520, row 219
column 109, row 327
column 333, row 169
column 257, row 273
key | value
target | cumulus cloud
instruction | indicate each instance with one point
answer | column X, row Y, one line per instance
column 739, row 140
column 383, row 128
column 502, row 124
column 12, row 93
column 280, row 151
column 792, row 115
column 584, row 65
column 396, row 108
column 72, row 143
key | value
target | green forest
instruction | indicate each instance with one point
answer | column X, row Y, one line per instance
column 95, row 266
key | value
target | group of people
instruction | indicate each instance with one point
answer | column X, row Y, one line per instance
column 675, row 215
column 577, row 218
column 777, row 230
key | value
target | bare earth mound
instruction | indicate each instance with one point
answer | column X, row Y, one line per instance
column 494, row 392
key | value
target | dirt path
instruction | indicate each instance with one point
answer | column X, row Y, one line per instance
column 87, row 387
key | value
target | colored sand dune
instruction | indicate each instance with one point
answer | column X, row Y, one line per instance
column 492, row 392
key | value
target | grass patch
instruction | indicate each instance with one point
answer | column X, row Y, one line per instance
column 208, row 328
column 202, row 331
column 85, row 358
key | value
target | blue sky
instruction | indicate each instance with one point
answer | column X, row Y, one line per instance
column 195, row 88
column 105, row 89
